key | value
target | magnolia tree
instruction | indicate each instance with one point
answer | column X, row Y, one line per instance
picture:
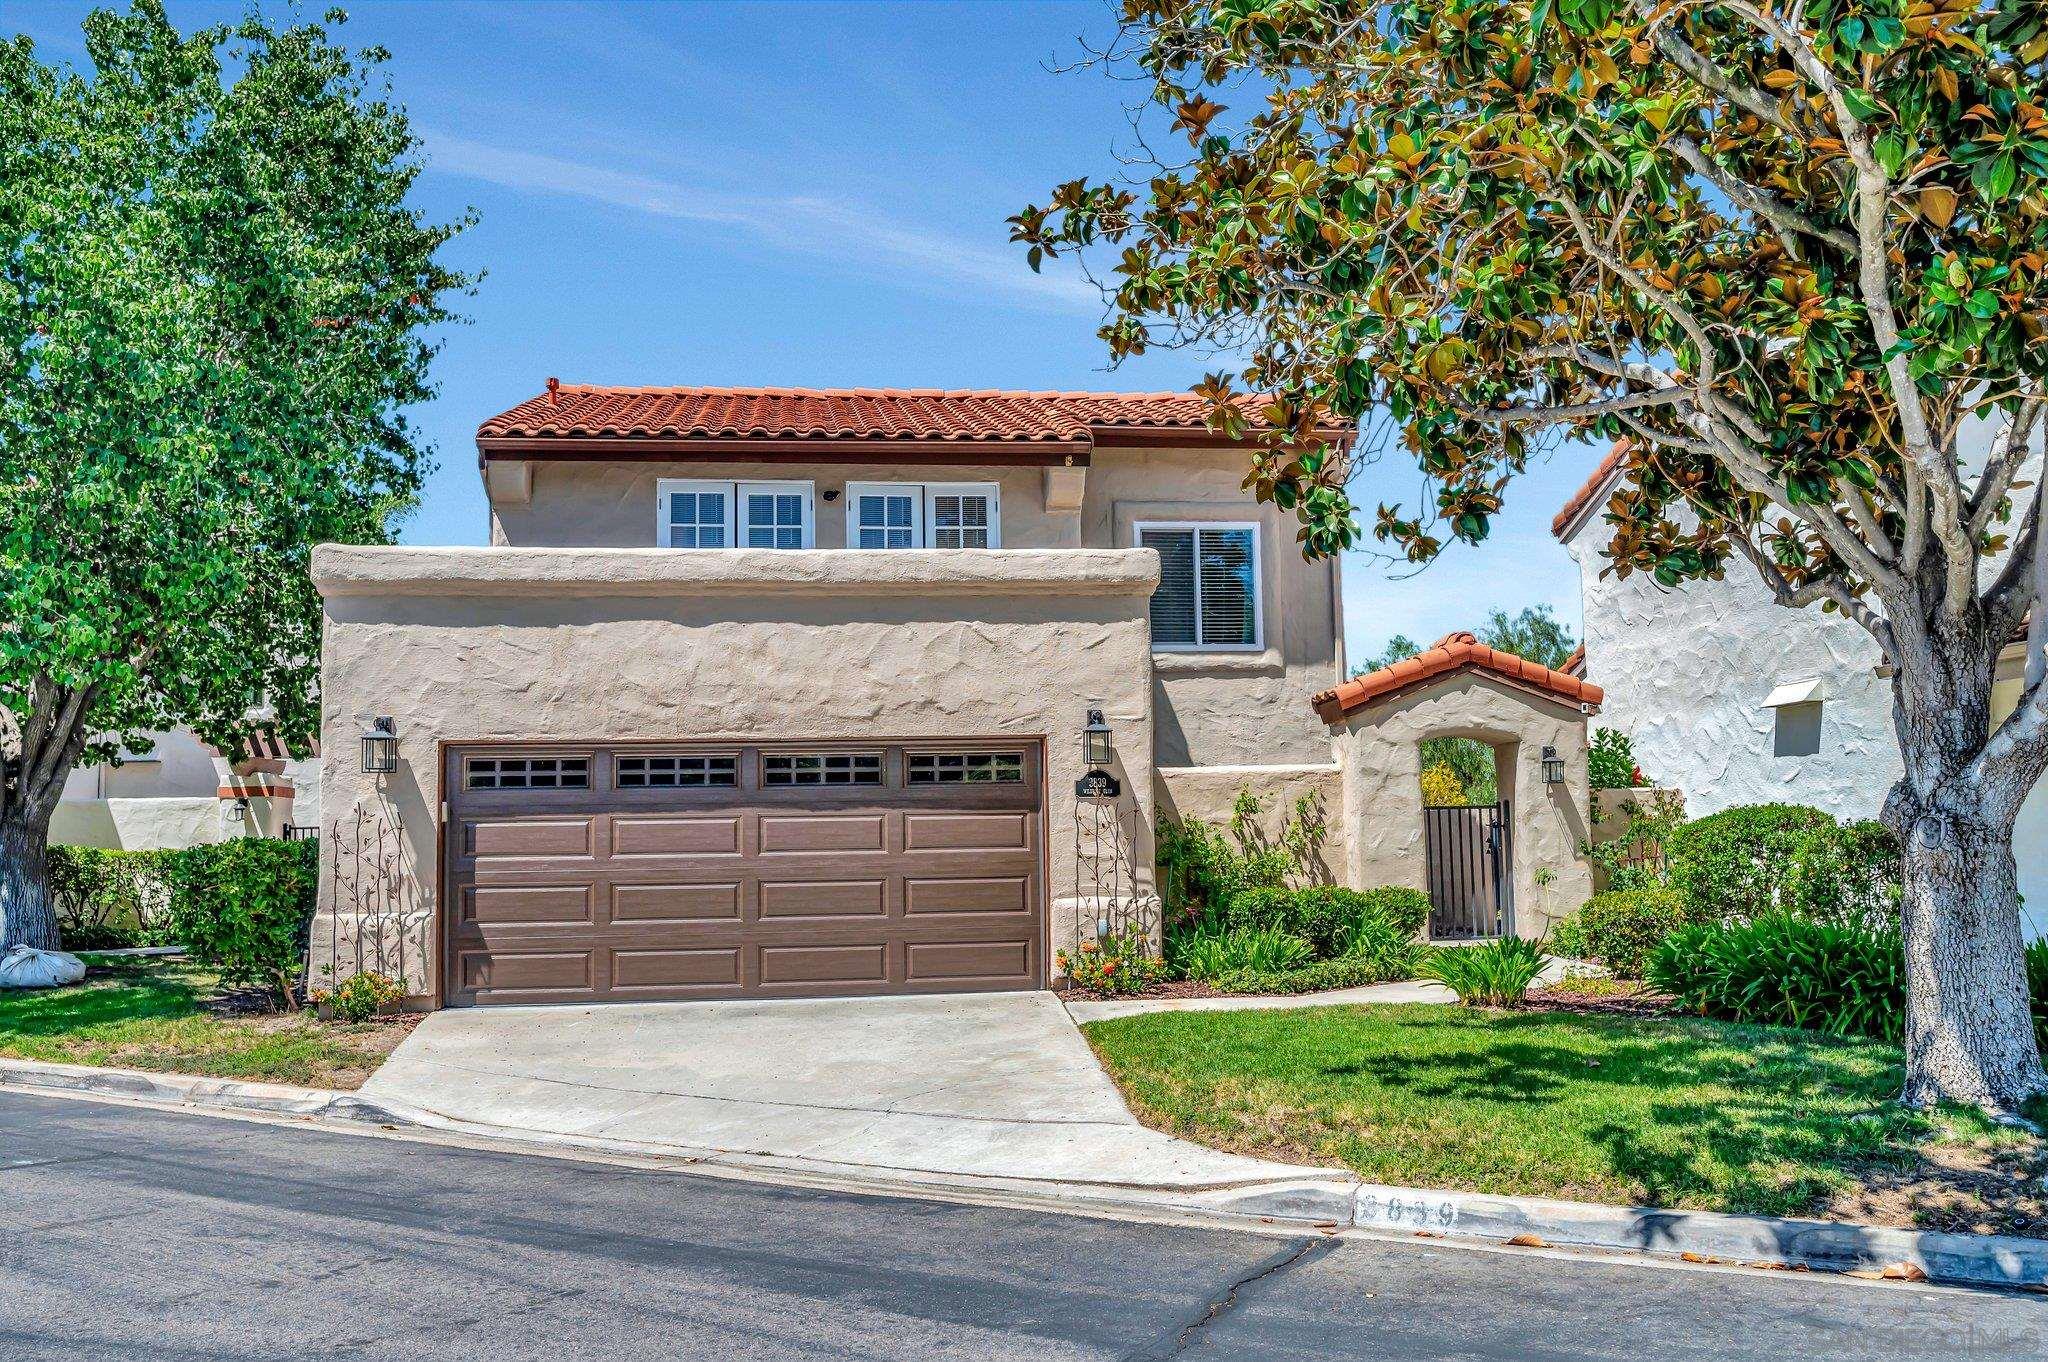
column 213, row 302
column 1793, row 254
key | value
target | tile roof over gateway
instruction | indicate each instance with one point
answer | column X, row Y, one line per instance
column 1453, row 652
column 575, row 411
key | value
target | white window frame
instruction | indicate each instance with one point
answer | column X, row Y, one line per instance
column 923, row 494
column 856, row 490
column 991, row 490
column 1258, row 643
column 664, row 488
column 807, row 535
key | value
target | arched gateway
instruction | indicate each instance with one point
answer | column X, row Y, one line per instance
column 1510, row 866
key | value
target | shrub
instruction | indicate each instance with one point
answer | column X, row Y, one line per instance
column 1115, row 965
column 1635, row 858
column 1496, row 974
column 1441, row 787
column 1738, row 863
column 1347, row 971
column 1620, row 929
column 360, row 996
column 1383, row 948
column 1847, row 872
column 1264, row 950
column 1202, row 868
column 1327, row 917
column 109, row 899
column 244, row 908
column 1611, row 762
column 1405, row 909
column 1841, row 978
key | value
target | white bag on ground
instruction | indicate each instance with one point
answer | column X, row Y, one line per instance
column 27, row 967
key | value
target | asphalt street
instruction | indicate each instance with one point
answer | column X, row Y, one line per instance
column 137, row 1234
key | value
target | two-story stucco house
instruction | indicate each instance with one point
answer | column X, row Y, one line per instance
column 1736, row 700
column 776, row 692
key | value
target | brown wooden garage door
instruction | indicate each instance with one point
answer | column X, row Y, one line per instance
column 631, row 873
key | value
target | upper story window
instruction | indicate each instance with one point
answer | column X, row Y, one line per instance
column 696, row 514
column 910, row 515
column 1208, row 596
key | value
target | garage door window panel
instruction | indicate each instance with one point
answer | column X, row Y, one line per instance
column 677, row 771
column 527, row 773
column 783, row 770
column 966, row 768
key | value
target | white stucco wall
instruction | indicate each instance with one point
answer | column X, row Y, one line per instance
column 155, row 824
column 1686, row 673
column 169, row 797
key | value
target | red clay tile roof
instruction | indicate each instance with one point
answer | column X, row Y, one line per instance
column 1567, row 519
column 1575, row 665
column 1452, row 652
column 587, row 411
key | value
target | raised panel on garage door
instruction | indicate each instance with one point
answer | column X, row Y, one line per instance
column 652, row 871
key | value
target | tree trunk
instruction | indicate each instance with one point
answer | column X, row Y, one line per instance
column 1969, row 1030
column 28, row 915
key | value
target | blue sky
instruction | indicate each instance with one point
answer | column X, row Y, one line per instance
column 807, row 194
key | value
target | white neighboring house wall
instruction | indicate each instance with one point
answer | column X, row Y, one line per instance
column 172, row 797
column 1688, row 673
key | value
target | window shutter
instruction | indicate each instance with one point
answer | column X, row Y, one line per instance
column 1229, row 608
column 1173, row 604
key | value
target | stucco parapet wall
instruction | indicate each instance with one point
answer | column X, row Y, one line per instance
column 343, row 570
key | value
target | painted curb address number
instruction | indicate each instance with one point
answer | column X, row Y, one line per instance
column 1409, row 1212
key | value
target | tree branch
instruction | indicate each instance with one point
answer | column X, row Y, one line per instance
column 1765, row 205
column 1819, row 589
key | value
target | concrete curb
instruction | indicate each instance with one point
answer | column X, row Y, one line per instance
column 1337, row 1204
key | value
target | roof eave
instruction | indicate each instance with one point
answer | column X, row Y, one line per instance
column 819, row 449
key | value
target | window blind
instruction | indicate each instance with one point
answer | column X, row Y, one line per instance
column 1173, row 604
column 1228, row 607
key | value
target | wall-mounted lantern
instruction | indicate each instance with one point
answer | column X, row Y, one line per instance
column 380, row 747
column 1095, row 748
column 1553, row 767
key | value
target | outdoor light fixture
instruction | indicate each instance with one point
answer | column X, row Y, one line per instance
column 380, row 747
column 1095, row 749
column 1553, row 767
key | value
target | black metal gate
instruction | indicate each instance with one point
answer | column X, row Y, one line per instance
column 1471, row 871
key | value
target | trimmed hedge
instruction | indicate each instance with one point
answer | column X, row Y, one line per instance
column 241, row 907
column 1620, row 929
column 109, row 900
column 245, row 907
column 1759, row 860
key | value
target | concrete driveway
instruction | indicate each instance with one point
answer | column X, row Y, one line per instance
column 992, row 1085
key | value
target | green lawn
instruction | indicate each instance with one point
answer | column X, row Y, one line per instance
column 154, row 1014
column 1660, row 1112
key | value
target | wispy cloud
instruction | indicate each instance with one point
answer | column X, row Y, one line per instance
column 859, row 236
